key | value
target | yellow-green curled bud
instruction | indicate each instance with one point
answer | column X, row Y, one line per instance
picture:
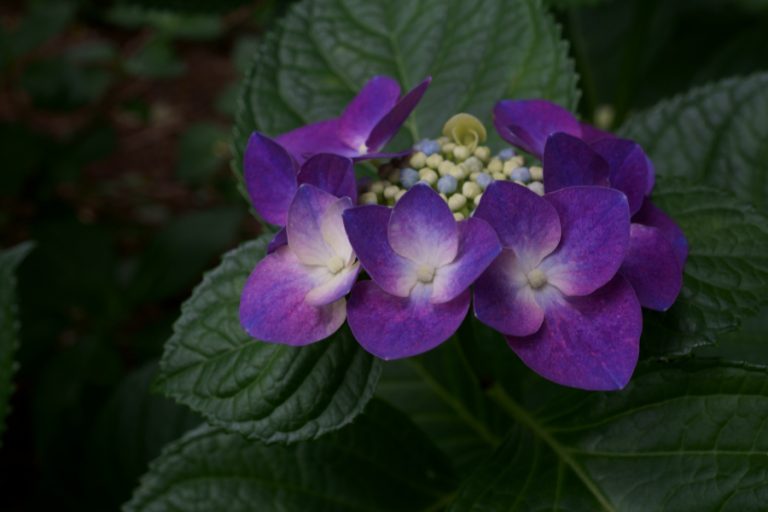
column 465, row 129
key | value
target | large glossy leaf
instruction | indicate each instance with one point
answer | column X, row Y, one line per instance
column 477, row 51
column 9, row 324
column 714, row 134
column 441, row 394
column 265, row 391
column 379, row 463
column 678, row 438
column 726, row 275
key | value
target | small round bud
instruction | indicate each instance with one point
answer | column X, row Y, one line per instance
column 498, row 176
column 409, row 177
column 470, row 189
column 448, row 148
column 509, row 166
column 483, row 153
column 368, row 198
column 518, row 161
column 445, row 167
column 495, row 165
column 465, row 129
column 484, row 180
column 447, row 185
column 400, row 193
column 461, row 153
column 473, row 164
column 377, row 187
column 458, row 216
column 428, row 147
column 418, row 160
column 445, row 197
column 506, row 153
column 537, row 173
column 459, row 172
column 391, row 191
column 521, row 174
column 433, row 161
column 457, row 202
column 443, row 140
column 428, row 175
column 537, row 187
column 477, row 199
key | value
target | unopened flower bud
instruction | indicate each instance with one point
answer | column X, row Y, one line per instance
column 409, row 177
column 448, row 148
column 445, row 167
column 447, row 185
column 391, row 191
column 377, row 187
column 458, row 216
column 428, row 175
column 368, row 198
column 461, row 153
column 521, row 174
column 537, row 173
column 473, row 164
column 484, row 180
column 498, row 176
column 495, row 165
column 400, row 193
column 509, row 166
column 457, row 202
column 477, row 199
column 459, row 172
column 506, row 153
column 465, row 129
column 418, row 160
column 483, row 153
column 433, row 161
column 428, row 147
column 470, row 189
column 537, row 187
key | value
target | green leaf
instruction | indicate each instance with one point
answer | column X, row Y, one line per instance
column 263, row 390
column 685, row 437
column 379, row 463
column 477, row 53
column 714, row 134
column 9, row 324
column 130, row 431
column 440, row 393
column 202, row 150
column 726, row 275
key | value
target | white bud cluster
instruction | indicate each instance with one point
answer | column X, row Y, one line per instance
column 458, row 172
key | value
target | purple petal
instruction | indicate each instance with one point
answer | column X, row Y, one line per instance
column 332, row 287
column 590, row 134
column 280, row 239
column 311, row 139
column 503, row 299
column 270, row 177
column 478, row 247
column 390, row 123
column 651, row 267
column 525, row 222
column 650, row 215
column 272, row 306
column 422, row 228
column 568, row 161
column 528, row 124
column 304, row 225
column 366, row 228
column 589, row 342
column 629, row 168
column 595, row 239
column 393, row 327
column 377, row 97
column 333, row 173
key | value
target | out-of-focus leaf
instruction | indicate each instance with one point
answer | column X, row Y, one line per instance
column 9, row 324
column 156, row 59
column 203, row 148
column 381, row 462
column 168, row 23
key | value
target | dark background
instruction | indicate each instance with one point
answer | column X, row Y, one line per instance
column 114, row 159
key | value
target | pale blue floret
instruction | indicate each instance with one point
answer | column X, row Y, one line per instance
column 428, row 147
column 521, row 174
column 483, row 180
column 409, row 177
column 447, row 184
column 506, row 153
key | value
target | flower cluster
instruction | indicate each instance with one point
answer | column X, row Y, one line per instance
column 558, row 257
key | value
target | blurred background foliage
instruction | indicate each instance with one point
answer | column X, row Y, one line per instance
column 114, row 128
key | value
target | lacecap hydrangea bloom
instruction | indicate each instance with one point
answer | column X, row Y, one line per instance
column 558, row 250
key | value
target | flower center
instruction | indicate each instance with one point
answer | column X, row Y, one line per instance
column 456, row 165
column 335, row 265
column 536, row 278
column 425, row 273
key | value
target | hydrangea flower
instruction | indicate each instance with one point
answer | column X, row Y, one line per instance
column 368, row 122
column 554, row 291
column 295, row 295
column 272, row 177
column 422, row 263
column 573, row 154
